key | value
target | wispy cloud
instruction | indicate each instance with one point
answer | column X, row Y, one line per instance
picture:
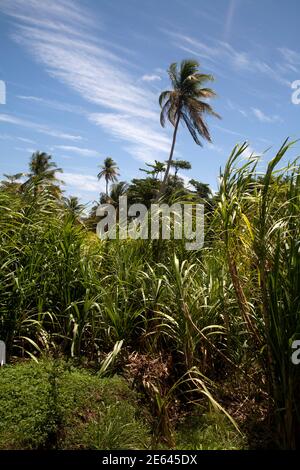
column 132, row 131
column 25, row 150
column 289, row 55
column 249, row 152
column 53, row 104
column 215, row 148
column 92, row 69
column 84, row 152
column 47, row 13
column 10, row 119
column 150, row 78
column 5, row 137
column 27, row 141
column 262, row 117
column 234, row 107
column 227, row 131
column 221, row 53
column 88, row 183
column 229, row 18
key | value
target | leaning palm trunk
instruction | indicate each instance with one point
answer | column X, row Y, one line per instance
column 186, row 102
column 166, row 175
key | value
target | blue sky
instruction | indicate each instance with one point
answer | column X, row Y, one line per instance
column 83, row 79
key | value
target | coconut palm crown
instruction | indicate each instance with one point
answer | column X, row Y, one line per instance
column 185, row 102
column 109, row 171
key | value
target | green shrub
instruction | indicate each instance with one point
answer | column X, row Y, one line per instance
column 53, row 405
column 209, row 431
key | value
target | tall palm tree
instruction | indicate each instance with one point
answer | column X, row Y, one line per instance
column 185, row 103
column 109, row 171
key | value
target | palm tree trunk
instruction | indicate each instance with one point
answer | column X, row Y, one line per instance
column 106, row 180
column 164, row 182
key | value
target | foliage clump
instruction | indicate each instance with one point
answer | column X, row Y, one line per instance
column 52, row 405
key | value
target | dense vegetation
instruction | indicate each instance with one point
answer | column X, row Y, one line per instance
column 196, row 333
column 53, row 405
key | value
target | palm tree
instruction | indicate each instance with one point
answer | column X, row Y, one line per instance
column 42, row 166
column 180, row 165
column 73, row 206
column 116, row 190
column 185, row 102
column 109, row 171
column 42, row 172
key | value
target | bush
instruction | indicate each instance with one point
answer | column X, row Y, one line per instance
column 209, row 431
column 52, row 405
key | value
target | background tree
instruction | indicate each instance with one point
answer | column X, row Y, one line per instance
column 73, row 206
column 12, row 182
column 109, row 171
column 203, row 190
column 180, row 165
column 42, row 166
column 175, row 190
column 143, row 190
column 185, row 103
column 116, row 190
column 42, row 172
column 157, row 168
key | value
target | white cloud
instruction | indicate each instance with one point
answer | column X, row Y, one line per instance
column 47, row 13
column 134, row 132
column 227, row 131
column 25, row 150
column 5, row 137
column 9, row 119
column 78, row 150
column 88, row 183
column 229, row 18
column 262, row 117
column 215, row 148
column 207, row 52
column 27, row 141
column 91, row 69
column 53, row 104
column 290, row 56
column 248, row 152
column 234, row 107
column 150, row 78
column 220, row 53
